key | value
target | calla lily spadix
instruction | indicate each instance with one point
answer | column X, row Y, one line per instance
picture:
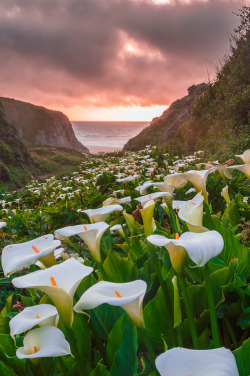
column 192, row 214
column 59, row 282
column 245, row 169
column 91, row 234
column 201, row 247
column 245, row 156
column 100, row 214
column 18, row 256
column 153, row 196
column 128, row 296
column 42, row 314
column 147, row 214
column 185, row 362
column 46, row 341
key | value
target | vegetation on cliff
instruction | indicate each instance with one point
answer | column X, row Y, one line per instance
column 220, row 118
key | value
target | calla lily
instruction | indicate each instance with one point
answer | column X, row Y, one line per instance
column 224, row 193
column 163, row 187
column 110, row 201
column 199, row 180
column 201, row 247
column 176, row 204
column 153, row 196
column 128, row 295
column 221, row 167
column 192, row 214
column 245, row 156
column 117, row 228
column 91, row 234
column 148, row 217
column 18, row 256
column 2, row 224
column 46, row 341
column 59, row 282
column 184, row 362
column 42, row 314
column 100, row 214
column 176, row 180
column 245, row 169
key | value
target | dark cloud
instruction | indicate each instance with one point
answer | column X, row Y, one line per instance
column 109, row 52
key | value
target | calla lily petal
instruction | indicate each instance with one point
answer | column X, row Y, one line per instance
column 176, row 180
column 59, row 282
column 3, row 224
column 100, row 214
column 128, row 295
column 201, row 247
column 91, row 234
column 42, row 314
column 163, row 187
column 153, row 196
column 245, row 169
column 46, row 341
column 192, row 214
column 148, row 217
column 184, row 362
column 245, row 156
column 18, row 256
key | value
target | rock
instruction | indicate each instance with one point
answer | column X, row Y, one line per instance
column 39, row 125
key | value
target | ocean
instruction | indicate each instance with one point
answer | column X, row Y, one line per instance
column 106, row 136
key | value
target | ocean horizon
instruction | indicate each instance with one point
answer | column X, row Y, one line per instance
column 106, row 136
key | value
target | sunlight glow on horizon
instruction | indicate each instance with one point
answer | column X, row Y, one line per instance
column 92, row 113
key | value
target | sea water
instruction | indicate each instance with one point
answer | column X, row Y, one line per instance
column 106, row 136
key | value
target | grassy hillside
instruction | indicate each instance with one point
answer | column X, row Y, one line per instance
column 219, row 121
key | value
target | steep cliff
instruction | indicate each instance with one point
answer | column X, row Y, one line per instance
column 42, row 126
column 164, row 128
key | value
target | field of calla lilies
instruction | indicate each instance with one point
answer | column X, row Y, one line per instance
column 136, row 264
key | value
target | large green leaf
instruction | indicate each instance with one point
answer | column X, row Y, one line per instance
column 104, row 318
column 8, row 355
column 243, row 359
column 158, row 318
column 115, row 338
column 125, row 360
column 118, row 269
column 100, row 370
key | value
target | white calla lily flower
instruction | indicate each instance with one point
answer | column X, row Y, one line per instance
column 176, row 204
column 18, row 256
column 245, row 169
column 225, row 195
column 153, row 196
column 201, row 247
column 163, row 187
column 91, row 234
column 199, row 179
column 42, row 314
column 245, row 156
column 59, row 282
column 46, row 341
column 184, row 362
column 128, row 296
column 192, row 214
column 3, row 224
column 100, row 214
column 147, row 214
column 117, row 228
column 176, row 180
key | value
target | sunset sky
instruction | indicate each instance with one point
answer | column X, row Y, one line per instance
column 110, row 59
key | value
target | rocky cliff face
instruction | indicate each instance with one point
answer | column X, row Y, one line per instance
column 40, row 125
column 164, row 128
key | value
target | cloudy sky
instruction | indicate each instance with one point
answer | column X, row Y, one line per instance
column 110, row 59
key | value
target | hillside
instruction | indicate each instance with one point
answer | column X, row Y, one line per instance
column 219, row 120
column 39, row 125
column 164, row 128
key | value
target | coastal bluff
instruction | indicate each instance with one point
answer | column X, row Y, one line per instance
column 164, row 128
column 41, row 126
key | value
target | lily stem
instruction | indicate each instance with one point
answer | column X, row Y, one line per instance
column 189, row 311
column 154, row 259
column 149, row 347
column 212, row 310
column 231, row 332
column 62, row 365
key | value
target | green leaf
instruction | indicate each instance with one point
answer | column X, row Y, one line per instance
column 8, row 307
column 126, row 362
column 118, row 269
column 8, row 355
column 115, row 338
column 82, row 334
column 244, row 319
column 100, row 370
column 243, row 359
